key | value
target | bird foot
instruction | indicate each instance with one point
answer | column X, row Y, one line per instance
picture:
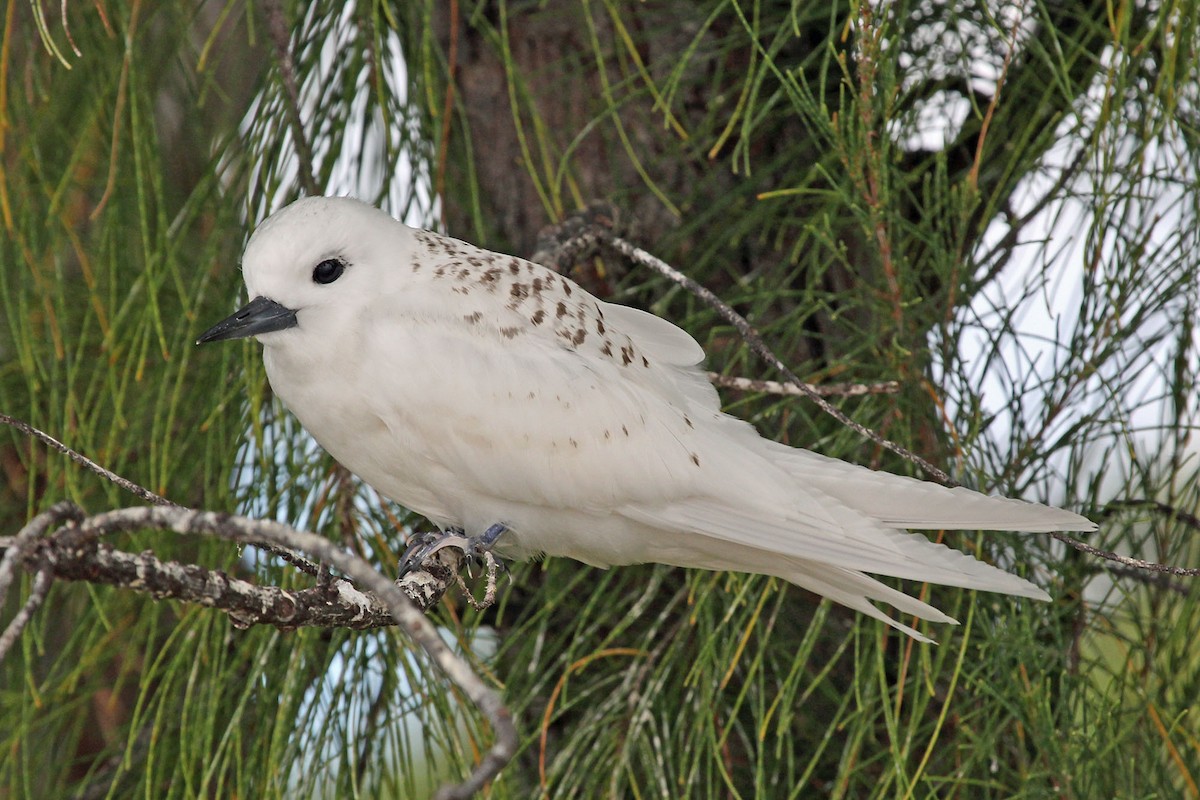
column 475, row 548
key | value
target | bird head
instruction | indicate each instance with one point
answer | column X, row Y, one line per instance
column 308, row 266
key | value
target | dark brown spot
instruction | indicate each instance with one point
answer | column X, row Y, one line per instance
column 460, row 290
column 538, row 317
column 598, row 311
column 607, row 349
column 566, row 287
column 473, row 318
column 624, row 430
column 510, row 333
column 687, row 420
column 573, row 442
column 579, row 336
column 514, row 266
column 645, row 363
column 608, row 434
column 464, row 273
column 533, row 395
column 600, row 327
column 519, row 290
column 416, row 264
column 474, row 261
column 538, row 285
column 490, row 276
column 440, row 271
column 561, row 311
column 626, row 355
column 695, row 459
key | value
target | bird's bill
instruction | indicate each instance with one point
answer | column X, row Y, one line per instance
column 260, row 315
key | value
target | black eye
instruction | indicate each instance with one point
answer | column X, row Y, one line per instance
column 328, row 270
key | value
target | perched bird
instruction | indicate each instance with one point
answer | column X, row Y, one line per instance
column 482, row 390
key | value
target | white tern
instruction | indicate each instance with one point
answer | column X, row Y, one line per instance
column 480, row 389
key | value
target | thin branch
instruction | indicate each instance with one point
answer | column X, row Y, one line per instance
column 137, row 490
column 1156, row 579
column 443, row 146
column 579, row 235
column 1187, row 518
column 756, row 343
column 973, row 175
column 1167, row 510
column 36, row 528
column 277, row 27
column 41, row 587
column 84, row 461
column 1137, row 563
column 83, row 533
column 825, row 390
column 334, row 604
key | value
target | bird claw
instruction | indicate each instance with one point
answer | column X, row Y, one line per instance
column 476, row 548
column 425, row 545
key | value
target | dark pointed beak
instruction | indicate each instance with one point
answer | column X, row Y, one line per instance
column 260, row 315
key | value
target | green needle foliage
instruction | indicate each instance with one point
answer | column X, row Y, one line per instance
column 994, row 205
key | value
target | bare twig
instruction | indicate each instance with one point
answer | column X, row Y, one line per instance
column 137, row 490
column 41, row 587
column 756, row 343
column 1137, row 563
column 825, row 390
column 34, row 529
column 1187, row 518
column 84, row 461
column 335, row 604
column 491, row 566
column 566, row 243
column 281, row 42
column 578, row 236
column 1167, row 510
column 1155, row 579
column 83, row 533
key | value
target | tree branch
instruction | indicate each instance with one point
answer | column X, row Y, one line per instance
column 75, row 550
column 296, row 560
column 280, row 34
column 823, row 389
column 336, row 604
column 581, row 234
column 84, row 461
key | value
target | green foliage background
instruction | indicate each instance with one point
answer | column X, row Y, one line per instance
column 766, row 148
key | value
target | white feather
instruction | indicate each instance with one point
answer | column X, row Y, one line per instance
column 478, row 388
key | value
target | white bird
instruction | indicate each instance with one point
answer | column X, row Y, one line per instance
column 479, row 389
